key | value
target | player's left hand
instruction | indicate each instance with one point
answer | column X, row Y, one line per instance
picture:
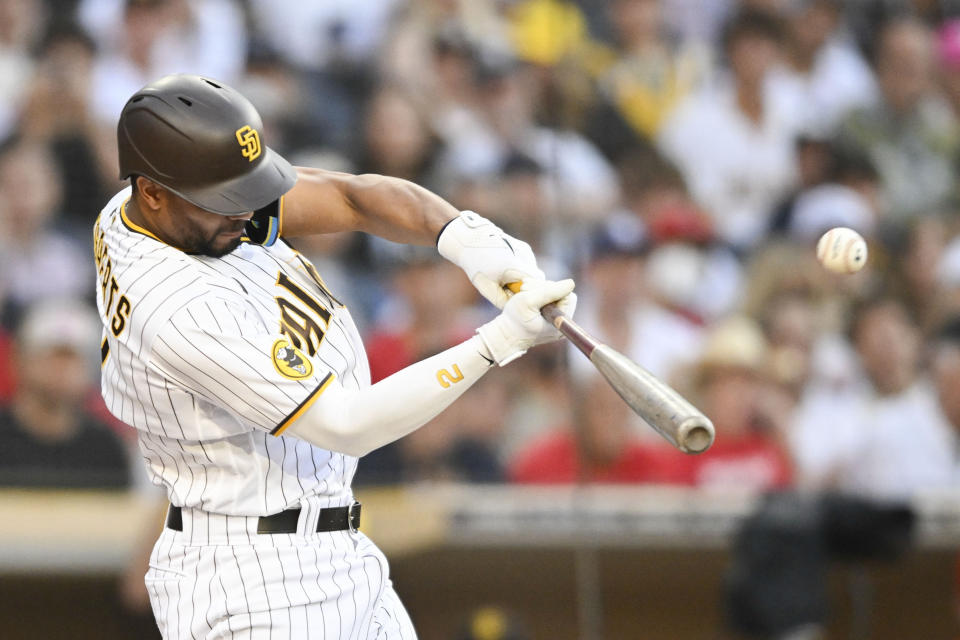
column 521, row 326
column 491, row 258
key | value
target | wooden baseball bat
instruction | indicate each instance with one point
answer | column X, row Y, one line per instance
column 672, row 415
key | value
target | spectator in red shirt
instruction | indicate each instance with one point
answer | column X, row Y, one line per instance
column 600, row 446
column 747, row 407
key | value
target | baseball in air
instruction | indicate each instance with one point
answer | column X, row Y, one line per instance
column 842, row 250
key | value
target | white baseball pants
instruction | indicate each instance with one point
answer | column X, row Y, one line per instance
column 218, row 578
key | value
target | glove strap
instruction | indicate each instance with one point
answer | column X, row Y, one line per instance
column 442, row 229
column 504, row 348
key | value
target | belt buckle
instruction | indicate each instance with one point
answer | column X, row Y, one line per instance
column 353, row 516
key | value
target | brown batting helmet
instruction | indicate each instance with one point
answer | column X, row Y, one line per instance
column 201, row 139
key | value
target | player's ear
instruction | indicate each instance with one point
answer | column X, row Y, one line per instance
column 151, row 194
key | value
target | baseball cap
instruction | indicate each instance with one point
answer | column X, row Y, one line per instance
column 831, row 205
column 680, row 222
column 60, row 323
column 621, row 234
column 736, row 343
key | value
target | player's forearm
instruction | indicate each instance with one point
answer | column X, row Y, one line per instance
column 359, row 422
column 395, row 209
column 400, row 210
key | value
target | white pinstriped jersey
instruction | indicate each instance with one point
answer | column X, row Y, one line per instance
column 211, row 358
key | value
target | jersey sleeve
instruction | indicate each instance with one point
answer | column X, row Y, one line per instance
column 222, row 352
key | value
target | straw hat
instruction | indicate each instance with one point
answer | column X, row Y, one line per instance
column 735, row 343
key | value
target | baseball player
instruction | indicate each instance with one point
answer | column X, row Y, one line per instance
column 246, row 377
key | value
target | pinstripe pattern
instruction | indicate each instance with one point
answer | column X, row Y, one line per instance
column 219, row 579
column 192, row 372
column 192, row 368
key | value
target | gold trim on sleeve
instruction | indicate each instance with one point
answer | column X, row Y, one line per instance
column 303, row 406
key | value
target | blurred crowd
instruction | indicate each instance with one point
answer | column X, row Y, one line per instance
column 679, row 158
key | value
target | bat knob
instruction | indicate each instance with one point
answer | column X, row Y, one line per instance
column 695, row 435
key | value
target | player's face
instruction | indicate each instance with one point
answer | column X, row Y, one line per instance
column 195, row 230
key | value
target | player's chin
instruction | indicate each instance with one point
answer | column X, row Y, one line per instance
column 223, row 244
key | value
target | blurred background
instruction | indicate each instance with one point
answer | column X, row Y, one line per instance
column 679, row 158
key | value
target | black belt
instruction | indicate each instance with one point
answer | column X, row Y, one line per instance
column 331, row 519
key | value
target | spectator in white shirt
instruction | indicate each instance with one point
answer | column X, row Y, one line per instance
column 320, row 35
column 622, row 307
column 145, row 39
column 911, row 134
column 824, row 66
column 894, row 438
column 734, row 142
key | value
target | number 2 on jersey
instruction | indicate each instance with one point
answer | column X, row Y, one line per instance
column 445, row 378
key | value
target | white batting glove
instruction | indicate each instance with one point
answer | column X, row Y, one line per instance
column 520, row 325
column 491, row 258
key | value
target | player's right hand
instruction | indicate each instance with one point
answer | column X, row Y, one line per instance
column 520, row 325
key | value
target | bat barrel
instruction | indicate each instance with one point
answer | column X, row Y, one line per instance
column 672, row 415
column 659, row 405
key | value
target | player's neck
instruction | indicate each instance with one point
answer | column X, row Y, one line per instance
column 135, row 214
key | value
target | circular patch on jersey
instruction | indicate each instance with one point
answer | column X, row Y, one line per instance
column 290, row 361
